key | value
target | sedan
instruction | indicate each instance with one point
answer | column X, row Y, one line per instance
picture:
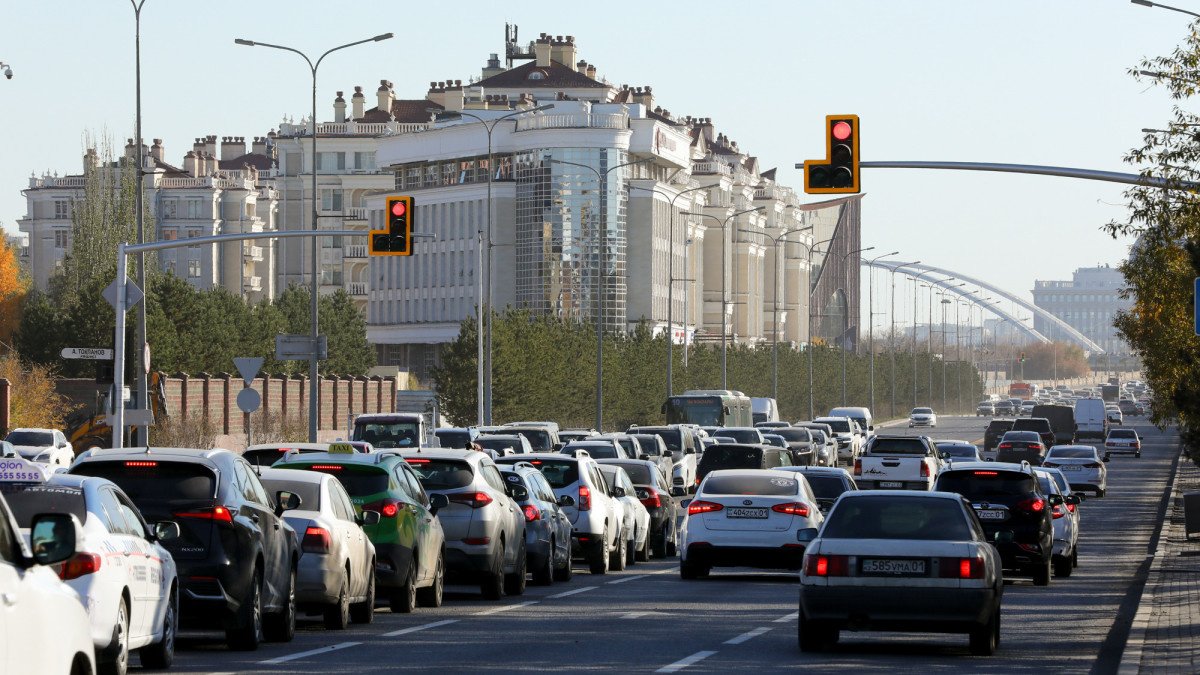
column 654, row 491
column 922, row 417
column 45, row 446
column 1082, row 465
column 959, row 451
column 1123, row 440
column 1065, row 512
column 985, row 408
column 1021, row 446
column 637, row 518
column 748, row 518
column 901, row 561
column 827, row 483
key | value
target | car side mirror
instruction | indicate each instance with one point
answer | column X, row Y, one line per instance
column 517, row 492
column 166, row 530
column 807, row 534
column 618, row 491
column 945, row 455
column 871, row 427
column 566, row 500
column 644, row 456
column 1073, row 499
column 557, row 447
column 52, row 537
column 689, row 451
column 368, row 518
column 438, row 502
column 286, row 501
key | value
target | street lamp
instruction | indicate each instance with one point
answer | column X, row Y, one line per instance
column 913, row 347
column 846, row 313
column 871, row 317
column 315, row 288
column 892, row 336
column 775, row 305
column 139, row 371
column 724, row 255
column 808, row 309
column 8, row 69
column 483, row 393
column 1147, row 3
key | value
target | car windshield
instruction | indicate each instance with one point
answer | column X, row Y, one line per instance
column 976, row 484
column 308, row 492
column 794, row 435
column 387, row 434
column 1072, row 453
column 840, row 426
column 911, row 518
column 454, row 439
column 922, row 411
column 441, row 474
column 559, row 474
column 30, row 438
column 751, row 485
column 26, row 501
column 155, row 481
column 638, row 473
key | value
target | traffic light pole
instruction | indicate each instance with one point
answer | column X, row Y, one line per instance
column 1060, row 171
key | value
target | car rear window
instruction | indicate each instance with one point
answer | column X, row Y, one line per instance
column 976, row 484
column 840, row 426
column 751, row 485
column 559, row 474
column 1023, row 436
column 648, row 442
column 453, row 439
column 730, row 457
column 155, row 481
column 960, row 450
column 539, row 439
column 826, row 487
column 268, row 456
column 309, row 493
column 1073, row 453
column 441, row 474
column 1122, row 433
column 27, row 501
column 500, row 444
column 638, row 473
column 597, row 451
column 897, row 446
column 741, row 435
column 893, row 518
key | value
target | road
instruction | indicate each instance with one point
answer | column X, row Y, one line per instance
column 647, row 619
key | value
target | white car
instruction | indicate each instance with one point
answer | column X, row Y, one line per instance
column 1114, row 416
column 124, row 577
column 1123, row 440
column 46, row 446
column 636, row 517
column 849, row 443
column 1065, row 514
column 922, row 417
column 748, row 518
column 45, row 627
column 1082, row 466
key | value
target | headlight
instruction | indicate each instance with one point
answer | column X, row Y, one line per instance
column 44, row 457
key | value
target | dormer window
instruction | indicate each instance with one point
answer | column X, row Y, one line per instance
column 537, row 75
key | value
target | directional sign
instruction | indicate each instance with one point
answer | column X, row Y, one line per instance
column 89, row 353
column 299, row 347
column 135, row 417
column 248, row 367
column 133, row 294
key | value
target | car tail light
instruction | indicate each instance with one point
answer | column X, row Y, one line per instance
column 415, row 460
column 532, row 513
column 316, row 540
column 585, row 498
column 79, row 565
column 1137, row 444
column 325, row 467
column 1035, row 446
column 388, row 508
column 1033, row 505
column 858, row 467
column 475, row 500
column 1057, row 512
column 792, row 509
column 960, row 568
column 651, row 500
column 218, row 513
column 141, row 464
column 924, row 470
column 827, row 565
column 1071, row 508
column 985, row 473
column 698, row 507
column 1004, row 446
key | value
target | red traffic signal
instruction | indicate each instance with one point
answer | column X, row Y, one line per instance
column 396, row 239
column 837, row 173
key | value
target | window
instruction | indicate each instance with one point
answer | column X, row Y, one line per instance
column 62, row 209
column 193, row 208
column 340, row 502
column 331, row 161
column 331, row 200
column 193, row 269
column 364, row 161
column 61, row 239
column 113, row 517
column 9, row 550
column 493, row 477
column 136, row 527
column 170, row 208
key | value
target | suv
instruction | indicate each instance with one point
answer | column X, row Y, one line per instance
column 484, row 526
column 607, row 448
column 682, row 441
column 1039, row 424
column 543, row 436
column 992, row 435
column 236, row 556
column 504, row 444
column 1015, row 514
column 741, row 456
column 547, row 528
column 590, row 505
column 849, row 444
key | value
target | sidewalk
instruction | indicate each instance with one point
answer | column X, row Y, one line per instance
column 1165, row 636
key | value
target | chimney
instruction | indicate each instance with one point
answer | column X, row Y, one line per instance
column 130, row 150
column 541, row 51
column 198, row 146
column 232, row 147
column 581, row 67
column 259, row 146
column 90, row 160
column 453, row 98
column 191, row 164
column 210, row 145
column 642, row 95
column 591, row 71
column 493, row 67
column 563, row 51
column 384, row 97
column 156, row 150
column 339, row 108
column 357, row 103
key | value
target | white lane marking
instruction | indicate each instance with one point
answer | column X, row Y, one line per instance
column 624, row 579
column 747, row 636
column 416, row 629
column 685, row 662
column 577, row 590
column 311, row 652
column 790, row 617
column 638, row 615
column 505, row 608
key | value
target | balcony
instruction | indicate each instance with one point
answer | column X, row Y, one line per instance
column 355, row 213
column 711, row 168
column 252, row 284
column 57, row 182
column 354, row 251
column 352, row 128
column 574, row 121
column 254, row 253
column 356, row 289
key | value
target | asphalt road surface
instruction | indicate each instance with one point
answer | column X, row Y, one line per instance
column 646, row 619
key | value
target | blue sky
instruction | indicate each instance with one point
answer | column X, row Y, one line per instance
column 1022, row 81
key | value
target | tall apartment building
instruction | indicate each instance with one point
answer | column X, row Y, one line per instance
column 209, row 195
column 1088, row 303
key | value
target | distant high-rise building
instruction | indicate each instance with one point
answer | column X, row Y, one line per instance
column 1088, row 303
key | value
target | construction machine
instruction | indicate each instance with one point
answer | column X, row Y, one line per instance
column 90, row 428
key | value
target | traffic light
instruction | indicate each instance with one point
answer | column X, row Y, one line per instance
column 1022, row 357
column 838, row 172
column 397, row 238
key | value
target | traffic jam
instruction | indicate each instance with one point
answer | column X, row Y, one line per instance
column 123, row 549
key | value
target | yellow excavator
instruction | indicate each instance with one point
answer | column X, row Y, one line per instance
column 87, row 429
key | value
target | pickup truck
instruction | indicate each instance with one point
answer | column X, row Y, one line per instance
column 898, row 462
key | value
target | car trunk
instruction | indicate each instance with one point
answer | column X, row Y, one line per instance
column 875, row 562
column 747, row 513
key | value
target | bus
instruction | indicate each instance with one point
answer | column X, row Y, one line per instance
column 709, row 408
column 1022, row 390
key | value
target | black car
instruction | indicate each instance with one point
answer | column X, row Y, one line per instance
column 827, row 483
column 741, row 456
column 1128, row 407
column 1062, row 421
column 995, row 429
column 547, row 528
column 1041, row 425
column 235, row 556
column 801, row 444
column 1015, row 514
column 1021, row 446
column 654, row 491
column 1004, row 408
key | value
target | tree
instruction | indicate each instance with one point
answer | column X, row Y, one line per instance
column 13, row 285
column 338, row 319
column 1059, row 360
column 34, row 401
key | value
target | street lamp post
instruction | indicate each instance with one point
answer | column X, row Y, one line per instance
column 846, row 313
column 871, row 317
column 913, row 347
column 1147, row 3
column 139, row 372
column 892, row 335
column 808, row 309
column 315, row 288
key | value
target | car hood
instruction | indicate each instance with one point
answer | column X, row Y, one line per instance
column 30, row 451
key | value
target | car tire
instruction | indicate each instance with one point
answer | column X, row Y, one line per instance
column 1063, row 567
column 660, row 544
column 402, row 600
column 514, row 583
column 337, row 615
column 492, row 585
column 564, row 573
column 431, row 595
column 1138, row 454
column 1100, row 493
column 1041, row 574
column 246, row 633
column 631, row 553
column 161, row 654
column 544, row 574
column 985, row 638
column 1075, row 556
column 688, row 570
column 643, row 553
column 616, row 560
column 364, row 612
column 814, row 636
column 598, row 560
column 673, row 542
column 281, row 626
column 117, row 663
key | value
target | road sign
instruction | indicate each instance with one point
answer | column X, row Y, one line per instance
column 89, row 353
column 133, row 294
column 248, row 367
column 299, row 347
column 134, row 417
column 248, row 400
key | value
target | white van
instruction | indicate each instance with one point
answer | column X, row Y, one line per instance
column 1091, row 420
column 860, row 415
column 764, row 409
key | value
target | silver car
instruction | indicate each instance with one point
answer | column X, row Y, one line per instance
column 1082, row 466
column 636, row 520
column 336, row 572
column 1065, row 513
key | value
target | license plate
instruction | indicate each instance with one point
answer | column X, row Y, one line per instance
column 890, row 484
column 893, row 568
column 742, row 512
column 991, row 514
column 1071, row 467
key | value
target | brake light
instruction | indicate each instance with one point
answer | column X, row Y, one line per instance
column 858, row 467
column 316, row 540
column 141, row 464
column 79, row 565
column 1137, row 444
column 1033, row 505
column 827, row 565
column 924, row 470
column 585, row 498
column 217, row 513
column 985, row 473
column 1071, row 508
column 325, row 467
column 1004, row 445
column 1057, row 512
column 532, row 513
column 699, row 506
column 475, row 500
column 961, row 568
column 416, row 460
column 651, row 500
column 388, row 508
column 792, row 509
column 535, row 462
column 1035, row 446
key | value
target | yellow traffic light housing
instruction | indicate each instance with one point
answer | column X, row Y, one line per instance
column 396, row 238
column 837, row 173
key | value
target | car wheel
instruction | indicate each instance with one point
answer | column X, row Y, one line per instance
column 1041, row 575
column 564, row 573
column 364, row 612
column 598, row 560
column 1138, row 454
column 660, row 544
column 631, row 553
column 161, row 654
column 431, row 595
column 814, row 636
column 402, row 600
column 281, row 626
column 514, row 583
column 673, row 543
column 689, row 570
column 643, row 553
column 247, row 630
column 985, row 638
column 1063, row 567
column 118, row 662
column 492, row 585
column 1100, row 493
column 337, row 615
column 1075, row 556
column 616, row 561
column 544, row 574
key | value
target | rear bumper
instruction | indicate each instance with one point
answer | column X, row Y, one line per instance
column 864, row 484
column 938, row 610
column 391, row 564
column 318, row 579
column 789, row 557
column 210, row 589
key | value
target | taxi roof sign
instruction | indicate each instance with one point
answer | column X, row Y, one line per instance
column 341, row 449
column 19, row 470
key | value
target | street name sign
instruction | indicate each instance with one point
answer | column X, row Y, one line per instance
column 299, row 347
column 89, row 353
